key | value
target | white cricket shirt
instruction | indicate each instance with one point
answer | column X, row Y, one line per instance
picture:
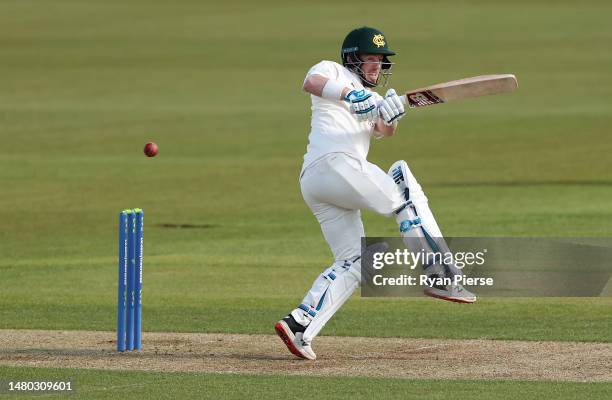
column 333, row 129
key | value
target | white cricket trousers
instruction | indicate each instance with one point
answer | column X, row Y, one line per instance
column 337, row 186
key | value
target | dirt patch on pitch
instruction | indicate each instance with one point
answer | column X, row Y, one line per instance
column 338, row 356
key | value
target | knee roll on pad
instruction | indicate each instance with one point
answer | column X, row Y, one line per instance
column 406, row 182
column 398, row 172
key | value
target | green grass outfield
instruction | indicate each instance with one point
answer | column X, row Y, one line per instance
column 217, row 85
column 96, row 384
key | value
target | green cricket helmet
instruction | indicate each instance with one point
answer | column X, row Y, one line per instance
column 366, row 40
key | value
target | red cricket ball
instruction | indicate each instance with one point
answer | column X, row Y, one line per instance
column 150, row 149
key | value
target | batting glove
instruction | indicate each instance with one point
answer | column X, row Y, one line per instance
column 362, row 105
column 391, row 108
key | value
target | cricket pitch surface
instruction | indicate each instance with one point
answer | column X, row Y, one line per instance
column 338, row 356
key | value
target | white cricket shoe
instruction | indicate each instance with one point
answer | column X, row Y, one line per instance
column 456, row 293
column 446, row 289
column 291, row 334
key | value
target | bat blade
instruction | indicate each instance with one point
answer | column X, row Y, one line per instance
column 476, row 86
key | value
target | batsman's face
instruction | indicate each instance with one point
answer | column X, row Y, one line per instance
column 371, row 66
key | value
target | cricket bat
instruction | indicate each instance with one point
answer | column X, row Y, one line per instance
column 476, row 86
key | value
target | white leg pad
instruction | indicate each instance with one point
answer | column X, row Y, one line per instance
column 340, row 286
column 418, row 226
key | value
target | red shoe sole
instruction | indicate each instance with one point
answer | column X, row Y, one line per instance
column 454, row 300
column 280, row 331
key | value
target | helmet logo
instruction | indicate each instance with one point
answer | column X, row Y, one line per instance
column 378, row 40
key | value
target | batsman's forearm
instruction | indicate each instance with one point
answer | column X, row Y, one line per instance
column 315, row 84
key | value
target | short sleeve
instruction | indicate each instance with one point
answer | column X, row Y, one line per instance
column 327, row 69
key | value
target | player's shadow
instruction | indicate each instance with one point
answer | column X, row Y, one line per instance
column 524, row 183
column 186, row 226
column 42, row 353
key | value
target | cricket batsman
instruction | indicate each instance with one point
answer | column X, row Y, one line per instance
column 337, row 182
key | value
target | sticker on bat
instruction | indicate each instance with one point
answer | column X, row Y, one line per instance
column 424, row 98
